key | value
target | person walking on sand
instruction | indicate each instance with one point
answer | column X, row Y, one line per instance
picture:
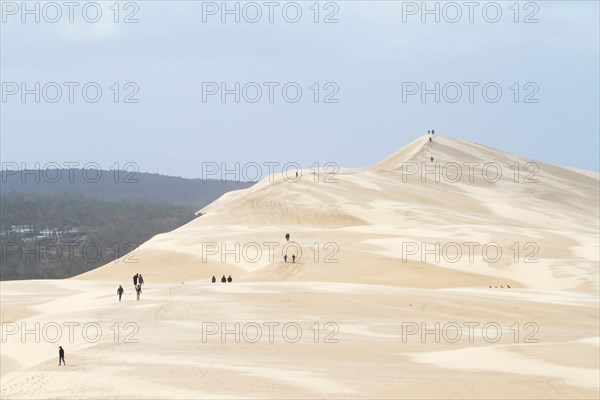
column 135, row 279
column 229, row 279
column 120, row 292
column 430, row 140
column 285, row 258
column 287, row 237
column 140, row 280
column 138, row 290
column 293, row 258
column 431, row 159
column 223, row 279
column 214, row 279
column 61, row 356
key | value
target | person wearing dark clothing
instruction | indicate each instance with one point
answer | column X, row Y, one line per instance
column 431, row 159
column 285, row 258
column 432, row 132
column 140, row 280
column 287, row 237
column 61, row 356
column 135, row 279
column 214, row 279
column 429, row 140
column 120, row 292
column 138, row 290
column 429, row 132
column 223, row 279
column 229, row 279
column 293, row 258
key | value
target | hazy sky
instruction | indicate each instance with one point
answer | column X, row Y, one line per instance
column 375, row 61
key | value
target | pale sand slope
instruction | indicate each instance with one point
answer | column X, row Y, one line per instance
column 371, row 293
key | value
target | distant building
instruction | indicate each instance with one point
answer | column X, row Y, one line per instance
column 21, row 229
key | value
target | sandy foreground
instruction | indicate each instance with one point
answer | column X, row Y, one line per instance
column 371, row 314
column 372, row 347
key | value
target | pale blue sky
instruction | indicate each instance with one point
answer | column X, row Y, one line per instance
column 369, row 53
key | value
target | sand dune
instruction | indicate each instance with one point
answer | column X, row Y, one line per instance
column 387, row 254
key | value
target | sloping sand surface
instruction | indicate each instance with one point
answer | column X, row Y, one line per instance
column 471, row 276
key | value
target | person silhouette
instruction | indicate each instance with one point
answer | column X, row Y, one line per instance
column 138, row 290
column 285, row 258
column 287, row 237
column 432, row 132
column 61, row 356
column 229, row 279
column 135, row 279
column 223, row 279
column 214, row 279
column 293, row 258
column 431, row 159
column 120, row 292
column 140, row 280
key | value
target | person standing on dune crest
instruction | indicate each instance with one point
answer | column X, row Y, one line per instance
column 61, row 356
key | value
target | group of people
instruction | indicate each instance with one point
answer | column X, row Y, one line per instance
column 138, row 281
column 431, row 133
column 223, row 279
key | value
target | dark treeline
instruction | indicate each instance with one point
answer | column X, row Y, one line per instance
column 75, row 224
column 58, row 236
column 118, row 185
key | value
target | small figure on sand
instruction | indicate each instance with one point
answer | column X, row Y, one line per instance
column 285, row 258
column 432, row 132
column 229, row 279
column 138, row 290
column 61, row 356
column 120, row 292
column 287, row 237
column 431, row 159
column 293, row 258
column 223, row 279
column 429, row 140
column 140, row 280
column 214, row 279
column 135, row 279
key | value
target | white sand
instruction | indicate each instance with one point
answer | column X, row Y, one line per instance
column 375, row 293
